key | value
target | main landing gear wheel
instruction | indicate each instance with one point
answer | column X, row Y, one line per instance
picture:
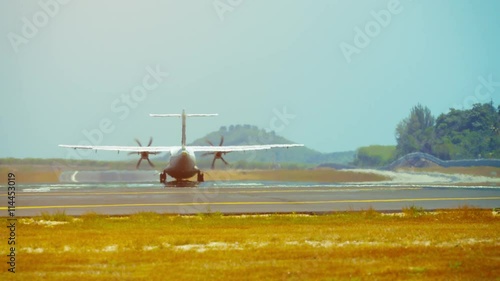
column 163, row 177
column 201, row 177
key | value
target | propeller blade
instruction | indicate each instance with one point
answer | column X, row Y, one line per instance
column 224, row 161
column 217, row 154
column 144, row 154
column 213, row 163
column 138, row 142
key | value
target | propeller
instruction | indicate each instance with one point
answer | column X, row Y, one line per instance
column 144, row 154
column 217, row 154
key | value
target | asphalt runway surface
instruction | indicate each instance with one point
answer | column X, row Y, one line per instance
column 242, row 198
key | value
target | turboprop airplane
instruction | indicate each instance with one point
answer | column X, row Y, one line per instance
column 182, row 163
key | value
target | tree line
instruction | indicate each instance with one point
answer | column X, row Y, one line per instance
column 458, row 134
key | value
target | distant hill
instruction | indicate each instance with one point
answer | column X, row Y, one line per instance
column 252, row 135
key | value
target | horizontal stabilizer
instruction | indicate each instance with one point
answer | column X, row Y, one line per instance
column 184, row 116
column 187, row 115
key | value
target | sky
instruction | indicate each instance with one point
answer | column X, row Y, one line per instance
column 333, row 75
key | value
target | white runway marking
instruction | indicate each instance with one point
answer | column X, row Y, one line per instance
column 73, row 176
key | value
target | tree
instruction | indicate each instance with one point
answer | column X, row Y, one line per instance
column 471, row 133
column 416, row 132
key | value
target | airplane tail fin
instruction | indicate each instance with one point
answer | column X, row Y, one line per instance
column 183, row 116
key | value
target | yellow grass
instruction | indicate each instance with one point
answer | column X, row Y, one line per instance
column 458, row 244
column 46, row 174
column 41, row 174
column 315, row 175
column 30, row 174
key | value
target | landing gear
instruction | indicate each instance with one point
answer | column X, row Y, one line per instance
column 201, row 177
column 163, row 177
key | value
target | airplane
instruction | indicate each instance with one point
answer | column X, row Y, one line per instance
column 182, row 163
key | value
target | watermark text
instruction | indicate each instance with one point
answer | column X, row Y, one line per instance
column 11, row 222
column 40, row 19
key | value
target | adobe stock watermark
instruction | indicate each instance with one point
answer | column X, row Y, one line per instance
column 364, row 36
column 40, row 19
column 483, row 92
column 280, row 120
column 222, row 7
column 121, row 108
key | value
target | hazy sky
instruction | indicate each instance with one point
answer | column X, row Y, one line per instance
column 334, row 75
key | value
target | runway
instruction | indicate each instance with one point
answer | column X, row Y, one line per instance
column 243, row 197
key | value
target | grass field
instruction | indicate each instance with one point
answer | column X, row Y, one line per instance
column 48, row 174
column 42, row 174
column 316, row 175
column 460, row 244
column 30, row 174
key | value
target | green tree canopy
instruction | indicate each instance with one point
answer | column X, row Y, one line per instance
column 471, row 133
column 415, row 133
column 458, row 134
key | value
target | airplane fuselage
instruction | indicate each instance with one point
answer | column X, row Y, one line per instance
column 182, row 164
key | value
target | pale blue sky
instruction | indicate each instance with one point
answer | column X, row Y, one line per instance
column 65, row 68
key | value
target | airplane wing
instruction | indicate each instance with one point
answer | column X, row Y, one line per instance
column 124, row 148
column 231, row 148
